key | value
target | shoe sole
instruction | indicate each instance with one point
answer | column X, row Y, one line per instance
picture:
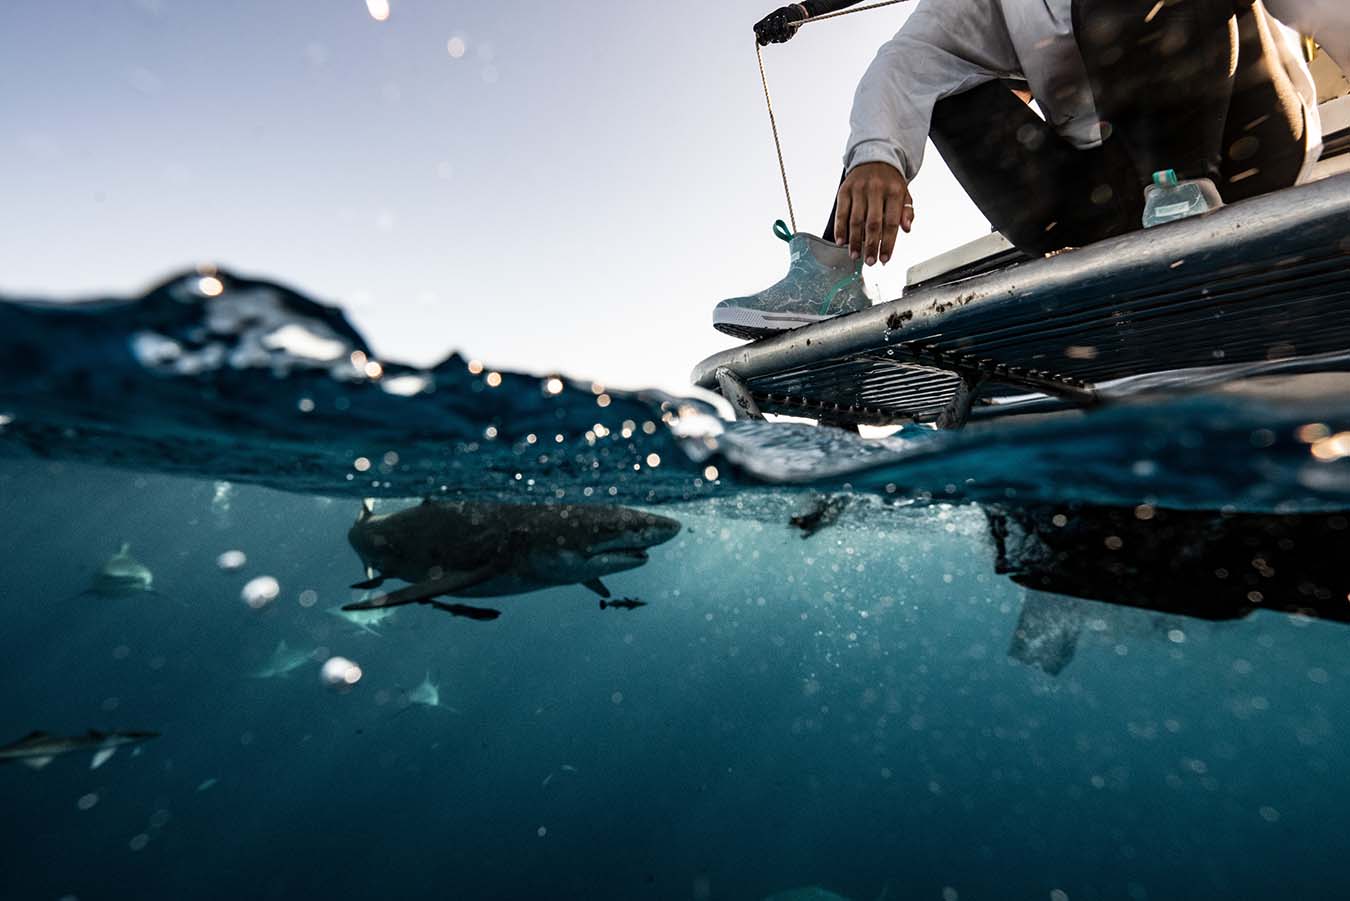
column 749, row 325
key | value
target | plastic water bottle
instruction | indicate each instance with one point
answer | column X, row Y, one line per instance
column 1167, row 199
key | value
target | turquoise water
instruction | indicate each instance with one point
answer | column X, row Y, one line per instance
column 1089, row 659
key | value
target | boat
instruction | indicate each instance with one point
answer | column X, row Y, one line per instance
column 1258, row 287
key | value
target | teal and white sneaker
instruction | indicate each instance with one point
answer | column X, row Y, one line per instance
column 823, row 282
column 1168, row 200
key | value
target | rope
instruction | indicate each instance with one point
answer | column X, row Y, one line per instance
column 768, row 101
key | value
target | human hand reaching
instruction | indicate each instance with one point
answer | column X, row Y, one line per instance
column 873, row 205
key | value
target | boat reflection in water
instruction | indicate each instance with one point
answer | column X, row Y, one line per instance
column 1166, row 564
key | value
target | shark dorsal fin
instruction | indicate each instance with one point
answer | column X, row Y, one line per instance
column 367, row 509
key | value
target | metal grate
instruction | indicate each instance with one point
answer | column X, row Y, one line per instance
column 1263, row 280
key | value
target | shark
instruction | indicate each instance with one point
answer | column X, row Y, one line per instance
column 426, row 694
column 122, row 575
column 479, row 549
column 284, row 661
column 37, row 749
column 365, row 620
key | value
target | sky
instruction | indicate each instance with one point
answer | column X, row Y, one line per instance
column 549, row 187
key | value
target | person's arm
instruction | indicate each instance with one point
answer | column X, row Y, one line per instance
column 943, row 49
column 780, row 25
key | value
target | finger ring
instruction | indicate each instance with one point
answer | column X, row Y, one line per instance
column 910, row 205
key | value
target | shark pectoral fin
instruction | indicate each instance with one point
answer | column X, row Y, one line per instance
column 597, row 586
column 368, row 584
column 423, row 591
column 101, row 756
column 478, row 614
column 36, row 763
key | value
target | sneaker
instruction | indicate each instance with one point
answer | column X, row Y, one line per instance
column 823, row 282
column 1168, row 200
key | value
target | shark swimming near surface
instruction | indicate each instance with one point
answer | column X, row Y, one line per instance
column 284, row 661
column 479, row 549
column 37, row 749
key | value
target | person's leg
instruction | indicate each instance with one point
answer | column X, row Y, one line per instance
column 1162, row 76
column 1041, row 192
column 1264, row 142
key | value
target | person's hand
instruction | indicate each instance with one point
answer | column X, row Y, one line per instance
column 874, row 204
column 780, row 25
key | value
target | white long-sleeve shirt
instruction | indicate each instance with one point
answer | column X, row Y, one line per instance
column 950, row 46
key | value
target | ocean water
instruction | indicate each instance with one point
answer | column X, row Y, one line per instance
column 1089, row 658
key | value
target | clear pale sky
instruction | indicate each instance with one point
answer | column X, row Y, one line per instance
column 573, row 193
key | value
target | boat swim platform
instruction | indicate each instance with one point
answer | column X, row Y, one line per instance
column 1260, row 285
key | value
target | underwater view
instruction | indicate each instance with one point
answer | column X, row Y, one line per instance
column 442, row 455
column 664, row 655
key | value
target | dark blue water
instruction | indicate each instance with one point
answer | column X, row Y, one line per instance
column 1093, row 658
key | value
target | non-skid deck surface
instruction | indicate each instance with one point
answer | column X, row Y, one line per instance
column 1263, row 280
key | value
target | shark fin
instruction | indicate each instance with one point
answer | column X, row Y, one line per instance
column 36, row 763
column 597, row 586
column 367, row 509
column 101, row 756
column 423, row 592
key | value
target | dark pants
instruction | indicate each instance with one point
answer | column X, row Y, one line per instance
column 1169, row 98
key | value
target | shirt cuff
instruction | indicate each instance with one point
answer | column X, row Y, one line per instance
column 878, row 152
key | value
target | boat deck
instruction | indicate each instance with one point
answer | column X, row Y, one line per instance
column 1262, row 284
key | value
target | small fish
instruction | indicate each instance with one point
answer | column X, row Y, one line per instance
column 623, row 604
column 824, row 513
column 207, row 784
column 37, row 749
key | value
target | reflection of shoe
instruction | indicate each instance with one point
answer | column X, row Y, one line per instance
column 822, row 282
column 1167, row 200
